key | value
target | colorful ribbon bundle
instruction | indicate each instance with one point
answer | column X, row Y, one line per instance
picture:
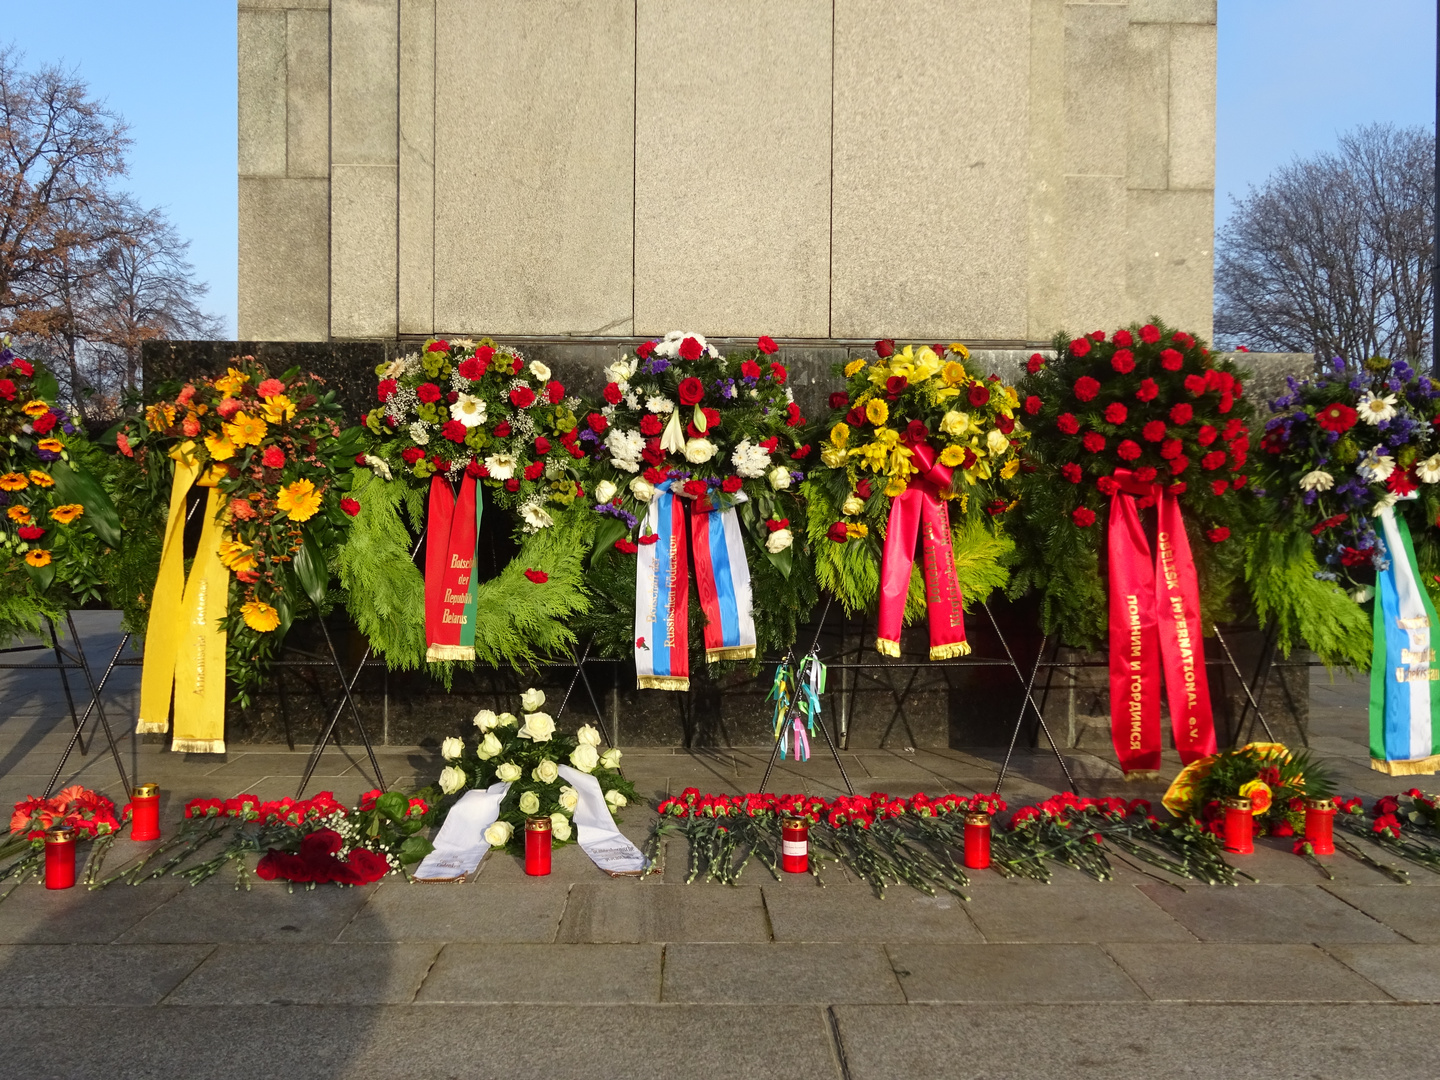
column 797, row 703
column 662, row 587
column 921, row 503
column 451, row 533
column 1154, row 625
column 1404, row 691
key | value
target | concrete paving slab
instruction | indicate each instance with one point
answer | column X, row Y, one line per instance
column 1413, row 912
column 568, row 864
column 269, row 912
column 1405, row 972
column 460, row 912
column 553, row 974
column 1217, row 972
column 1126, row 1041
column 623, row 911
column 282, row 762
column 852, row 913
column 34, row 914
column 64, row 976
column 308, row 974
column 782, row 973
column 1267, row 913
column 1101, row 912
column 1275, row 863
column 988, row 973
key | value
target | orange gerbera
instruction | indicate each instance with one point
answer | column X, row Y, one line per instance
column 260, row 616
column 13, row 481
column 38, row 558
column 67, row 513
column 237, row 556
column 19, row 514
column 246, row 430
column 279, row 408
column 300, row 500
column 52, row 446
column 41, row 479
column 220, row 447
column 35, row 408
column 231, row 382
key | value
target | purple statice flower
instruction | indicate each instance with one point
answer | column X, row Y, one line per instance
column 47, row 455
column 615, row 511
column 1357, row 383
column 589, row 436
column 4, row 498
column 796, row 476
column 655, row 365
column 1309, row 497
column 1338, row 365
column 68, row 428
column 725, row 388
column 1332, row 437
column 1403, row 371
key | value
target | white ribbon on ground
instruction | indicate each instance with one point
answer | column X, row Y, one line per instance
column 607, row 846
column 460, row 844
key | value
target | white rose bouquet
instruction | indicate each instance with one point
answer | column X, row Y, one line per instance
column 526, row 751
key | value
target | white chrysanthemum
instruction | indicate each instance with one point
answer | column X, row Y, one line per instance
column 1376, row 466
column 629, row 465
column 699, row 451
column 1374, row 409
column 1429, row 469
column 540, row 371
column 780, row 478
column 789, row 396
column 469, row 410
column 535, row 517
column 778, row 541
column 750, row 460
column 621, row 370
column 1317, row 480
column 658, row 404
column 381, row 467
column 501, row 466
column 632, row 400
column 420, row 433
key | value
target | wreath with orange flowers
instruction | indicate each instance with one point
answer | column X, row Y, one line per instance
column 58, row 522
column 275, row 449
column 1150, row 400
column 892, row 404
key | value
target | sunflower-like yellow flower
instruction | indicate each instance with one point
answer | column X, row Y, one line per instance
column 237, row 556
column 53, row 446
column 13, row 481
column 857, row 529
column 299, row 499
column 952, row 456
column 19, row 514
column 960, row 350
column 839, row 435
column 159, row 417
column 876, row 411
column 246, row 430
column 853, row 366
column 1010, row 468
column 41, row 479
column 260, row 616
column 953, row 373
column 220, row 447
column 894, row 487
column 38, row 557
column 67, row 513
column 279, row 408
column 35, row 408
column 231, row 382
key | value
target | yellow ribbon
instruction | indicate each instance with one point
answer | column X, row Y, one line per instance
column 184, row 645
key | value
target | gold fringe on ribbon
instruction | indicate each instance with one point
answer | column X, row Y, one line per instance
column 1420, row 767
column 949, row 652
column 437, row 653
column 198, row 746
column 664, row 682
column 152, row 727
column 730, row 652
column 887, row 648
column 1142, row 776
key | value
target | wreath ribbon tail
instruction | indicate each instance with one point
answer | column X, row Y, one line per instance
column 722, row 580
column 1404, row 691
column 162, row 630
column 1182, row 636
column 452, row 529
column 662, row 598
column 200, row 660
column 945, row 605
column 1134, row 640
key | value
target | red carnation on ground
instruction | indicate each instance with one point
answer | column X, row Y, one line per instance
column 1033, row 405
column 696, row 488
column 1179, row 464
column 454, row 430
column 1123, row 361
column 539, row 577
column 1218, row 534
column 749, row 369
column 1171, row 360
column 522, row 397
column 1336, row 417
column 645, row 349
column 838, row 533
column 1083, row 516
column 1154, row 431
column 885, row 347
column 534, row 470
column 350, row 506
column 1219, row 487
column 1115, row 413
column 512, row 485
column 613, row 394
column 1086, row 388
column 1149, row 334
column 476, row 469
column 766, row 344
column 30, row 532
column 1067, row 423
column 648, row 539
column 554, row 392
column 428, row 392
column 1035, row 363
column 979, row 395
column 1182, row 414
column 1145, row 474
column 7, row 389
column 484, row 354
column 1093, row 441
column 273, row 458
column 1171, row 448
column 1195, row 384
column 692, row 390
column 438, row 346
column 1128, row 449
column 1080, row 346
column 270, row 387
column 1071, row 472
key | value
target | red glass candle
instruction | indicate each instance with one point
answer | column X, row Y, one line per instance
column 60, row 859
column 1239, row 826
column 145, row 812
column 1320, row 825
column 537, row 846
column 977, row 840
column 795, row 846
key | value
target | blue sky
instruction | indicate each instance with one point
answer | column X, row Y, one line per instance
column 1293, row 74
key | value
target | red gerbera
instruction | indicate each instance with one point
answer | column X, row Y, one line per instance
column 1336, row 417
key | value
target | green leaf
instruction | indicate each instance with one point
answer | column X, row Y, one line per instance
column 41, row 575
column 310, row 568
column 45, row 383
column 606, row 533
column 75, row 486
column 781, row 559
column 414, row 849
column 393, row 805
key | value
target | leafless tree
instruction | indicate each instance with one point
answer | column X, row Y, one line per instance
column 1334, row 255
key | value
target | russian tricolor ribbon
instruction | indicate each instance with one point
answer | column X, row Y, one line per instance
column 919, row 509
column 1404, row 691
column 662, row 587
column 452, row 530
column 1154, row 626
